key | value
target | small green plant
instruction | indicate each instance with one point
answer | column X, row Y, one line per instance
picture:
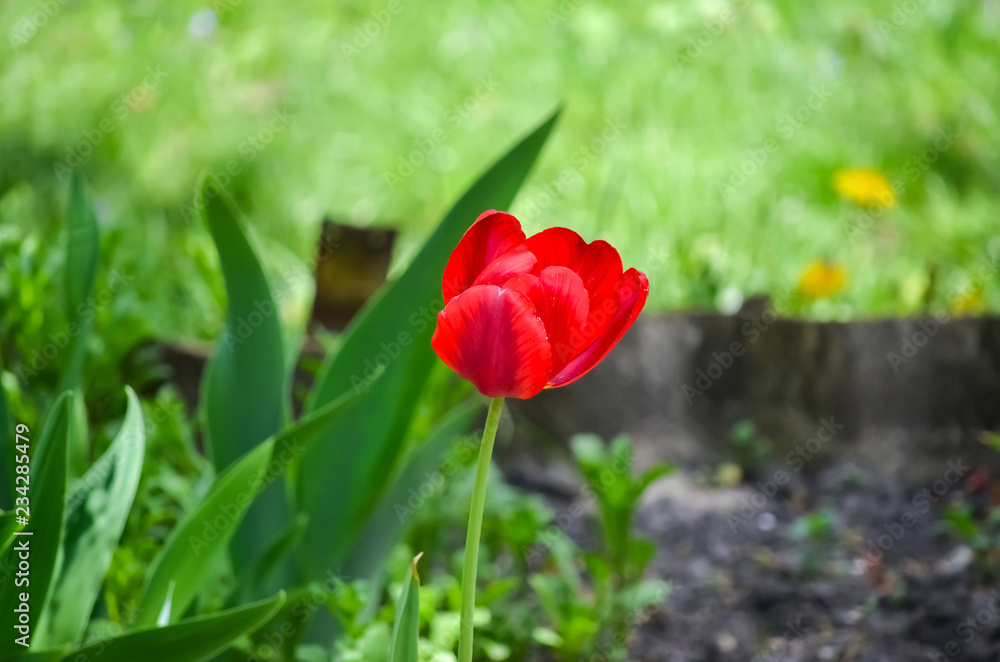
column 817, row 530
column 619, row 592
column 980, row 532
column 750, row 447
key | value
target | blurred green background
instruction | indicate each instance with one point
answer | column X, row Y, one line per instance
column 381, row 113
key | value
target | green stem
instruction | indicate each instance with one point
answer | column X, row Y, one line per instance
column 475, row 529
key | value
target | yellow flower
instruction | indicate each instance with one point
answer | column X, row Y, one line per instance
column 822, row 280
column 864, row 187
column 970, row 302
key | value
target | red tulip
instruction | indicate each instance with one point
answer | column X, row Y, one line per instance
column 523, row 314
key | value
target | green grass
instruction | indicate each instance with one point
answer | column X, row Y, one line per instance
column 686, row 116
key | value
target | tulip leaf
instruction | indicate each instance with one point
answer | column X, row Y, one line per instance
column 7, row 442
column 192, row 640
column 97, row 508
column 46, row 489
column 260, row 570
column 194, row 547
column 82, row 256
column 393, row 331
column 406, row 628
column 8, row 527
column 244, row 392
column 395, row 511
column 51, row 655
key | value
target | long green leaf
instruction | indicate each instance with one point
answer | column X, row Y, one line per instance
column 82, row 256
column 8, row 527
column 394, row 513
column 261, row 570
column 97, row 509
column 406, row 628
column 194, row 547
column 6, row 447
column 192, row 640
column 393, row 331
column 51, row 655
column 43, row 535
column 244, row 392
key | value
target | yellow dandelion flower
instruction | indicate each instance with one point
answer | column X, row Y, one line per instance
column 864, row 187
column 968, row 303
column 821, row 280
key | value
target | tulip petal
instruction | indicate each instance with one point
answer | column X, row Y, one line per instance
column 493, row 234
column 494, row 338
column 562, row 302
column 510, row 264
column 597, row 263
column 632, row 296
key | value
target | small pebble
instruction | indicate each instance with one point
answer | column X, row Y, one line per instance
column 726, row 642
column 955, row 562
column 766, row 522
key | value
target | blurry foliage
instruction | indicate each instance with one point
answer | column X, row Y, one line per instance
column 350, row 111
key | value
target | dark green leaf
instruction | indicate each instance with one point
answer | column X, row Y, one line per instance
column 245, row 390
column 260, row 570
column 51, row 655
column 394, row 330
column 193, row 640
column 47, row 490
column 82, row 256
column 96, row 511
column 394, row 512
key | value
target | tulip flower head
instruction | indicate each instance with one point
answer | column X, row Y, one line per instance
column 524, row 314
